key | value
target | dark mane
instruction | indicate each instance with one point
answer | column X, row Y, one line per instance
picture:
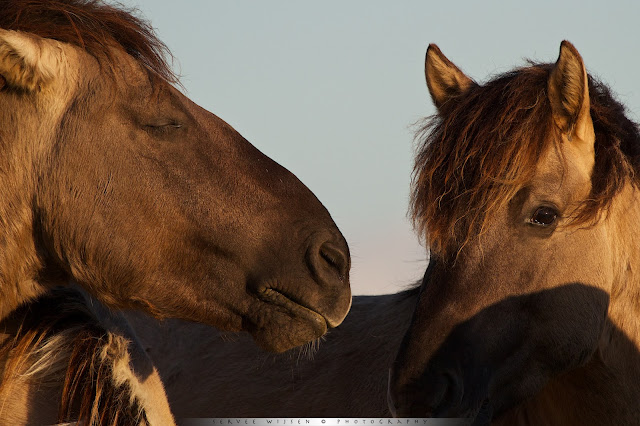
column 93, row 26
column 483, row 146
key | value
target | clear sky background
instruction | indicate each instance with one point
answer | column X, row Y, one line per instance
column 331, row 89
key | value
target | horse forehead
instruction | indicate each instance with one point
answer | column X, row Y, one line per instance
column 127, row 69
column 564, row 167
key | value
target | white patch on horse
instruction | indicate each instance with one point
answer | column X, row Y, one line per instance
column 147, row 394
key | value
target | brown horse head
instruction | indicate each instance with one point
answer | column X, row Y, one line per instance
column 525, row 189
column 113, row 178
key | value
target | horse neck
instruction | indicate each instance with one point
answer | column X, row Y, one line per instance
column 18, row 399
column 385, row 317
column 19, row 260
column 20, row 157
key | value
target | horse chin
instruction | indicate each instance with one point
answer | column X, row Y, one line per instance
column 483, row 415
column 480, row 414
column 286, row 323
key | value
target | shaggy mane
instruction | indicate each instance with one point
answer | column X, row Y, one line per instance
column 93, row 26
column 482, row 147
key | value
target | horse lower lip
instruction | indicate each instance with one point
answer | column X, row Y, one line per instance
column 271, row 295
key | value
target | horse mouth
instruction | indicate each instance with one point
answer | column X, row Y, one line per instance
column 275, row 297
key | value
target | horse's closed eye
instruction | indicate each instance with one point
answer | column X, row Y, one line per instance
column 162, row 129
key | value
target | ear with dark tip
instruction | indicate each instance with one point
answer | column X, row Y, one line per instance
column 569, row 93
column 444, row 79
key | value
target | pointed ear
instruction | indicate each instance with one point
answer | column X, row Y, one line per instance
column 444, row 79
column 569, row 94
column 28, row 62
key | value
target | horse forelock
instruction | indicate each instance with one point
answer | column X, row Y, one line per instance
column 94, row 26
column 484, row 146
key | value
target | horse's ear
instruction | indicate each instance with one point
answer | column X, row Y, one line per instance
column 569, row 94
column 28, row 62
column 444, row 79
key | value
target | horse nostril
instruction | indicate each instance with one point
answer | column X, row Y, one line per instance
column 328, row 260
column 335, row 259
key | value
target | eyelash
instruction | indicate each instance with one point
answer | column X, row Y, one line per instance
column 162, row 129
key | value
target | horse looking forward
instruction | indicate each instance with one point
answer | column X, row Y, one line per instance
column 526, row 188
column 113, row 178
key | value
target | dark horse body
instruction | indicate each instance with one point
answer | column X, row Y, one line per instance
column 527, row 191
column 208, row 373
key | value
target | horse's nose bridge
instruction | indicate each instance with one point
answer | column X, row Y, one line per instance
column 427, row 377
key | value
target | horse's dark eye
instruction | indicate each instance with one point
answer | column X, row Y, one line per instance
column 544, row 216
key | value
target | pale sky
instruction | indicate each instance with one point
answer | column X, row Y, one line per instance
column 331, row 89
